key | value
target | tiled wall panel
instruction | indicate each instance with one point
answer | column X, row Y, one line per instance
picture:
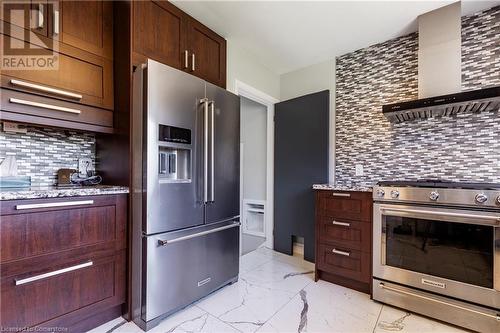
column 42, row 151
column 463, row 148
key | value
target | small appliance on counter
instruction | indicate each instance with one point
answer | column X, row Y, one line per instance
column 85, row 175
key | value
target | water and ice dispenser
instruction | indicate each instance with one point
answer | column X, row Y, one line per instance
column 174, row 154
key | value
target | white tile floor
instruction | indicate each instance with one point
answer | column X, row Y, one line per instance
column 276, row 293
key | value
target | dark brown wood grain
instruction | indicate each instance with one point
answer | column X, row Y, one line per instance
column 42, row 240
column 159, row 32
column 355, row 236
column 77, row 71
column 355, row 207
column 88, row 25
column 355, row 270
column 210, row 53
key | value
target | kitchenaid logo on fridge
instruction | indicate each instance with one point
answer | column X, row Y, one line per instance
column 30, row 39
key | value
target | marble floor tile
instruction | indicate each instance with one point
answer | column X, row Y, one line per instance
column 244, row 305
column 252, row 260
column 280, row 276
column 294, row 260
column 392, row 319
column 325, row 307
column 276, row 293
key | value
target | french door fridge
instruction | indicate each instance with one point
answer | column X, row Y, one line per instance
column 185, row 135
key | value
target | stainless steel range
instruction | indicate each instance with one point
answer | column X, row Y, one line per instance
column 436, row 250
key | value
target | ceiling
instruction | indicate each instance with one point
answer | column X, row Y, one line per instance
column 288, row 35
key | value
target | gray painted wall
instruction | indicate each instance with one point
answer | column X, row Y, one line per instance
column 464, row 148
column 254, row 138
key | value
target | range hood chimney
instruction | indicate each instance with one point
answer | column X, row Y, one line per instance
column 440, row 73
column 439, row 51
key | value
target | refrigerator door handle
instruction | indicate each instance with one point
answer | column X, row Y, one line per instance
column 212, row 151
column 205, row 102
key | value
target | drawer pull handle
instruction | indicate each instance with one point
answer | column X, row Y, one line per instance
column 53, row 273
column 50, row 90
column 55, row 204
column 342, row 253
column 426, row 298
column 347, row 195
column 344, row 224
column 44, row 106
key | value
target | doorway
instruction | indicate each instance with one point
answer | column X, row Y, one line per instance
column 256, row 171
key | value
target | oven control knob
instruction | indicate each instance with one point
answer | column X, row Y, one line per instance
column 381, row 193
column 434, row 196
column 481, row 198
column 394, row 194
column 498, row 200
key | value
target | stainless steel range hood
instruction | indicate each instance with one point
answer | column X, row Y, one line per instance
column 487, row 99
column 439, row 72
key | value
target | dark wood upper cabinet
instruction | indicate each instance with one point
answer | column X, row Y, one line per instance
column 164, row 33
column 208, row 53
column 87, row 25
column 159, row 32
column 76, row 92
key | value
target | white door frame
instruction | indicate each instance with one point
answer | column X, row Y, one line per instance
column 245, row 90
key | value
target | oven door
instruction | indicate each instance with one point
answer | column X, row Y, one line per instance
column 452, row 252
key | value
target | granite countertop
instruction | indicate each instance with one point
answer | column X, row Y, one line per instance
column 59, row 192
column 333, row 187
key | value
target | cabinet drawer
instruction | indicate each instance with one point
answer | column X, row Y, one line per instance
column 345, row 205
column 85, row 221
column 30, row 299
column 78, row 76
column 340, row 260
column 353, row 234
column 23, row 107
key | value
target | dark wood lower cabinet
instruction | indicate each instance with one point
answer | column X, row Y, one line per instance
column 344, row 238
column 63, row 267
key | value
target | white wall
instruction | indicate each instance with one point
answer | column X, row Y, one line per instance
column 253, row 137
column 309, row 80
column 242, row 66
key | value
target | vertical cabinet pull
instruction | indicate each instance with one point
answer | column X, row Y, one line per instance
column 186, row 59
column 55, row 30
column 193, row 65
column 40, row 20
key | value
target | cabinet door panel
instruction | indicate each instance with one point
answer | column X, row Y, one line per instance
column 87, row 25
column 89, row 76
column 209, row 50
column 159, row 32
column 25, row 235
column 90, row 283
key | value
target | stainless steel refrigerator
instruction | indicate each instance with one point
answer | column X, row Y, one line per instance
column 185, row 211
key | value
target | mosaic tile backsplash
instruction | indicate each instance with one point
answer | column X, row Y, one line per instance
column 461, row 148
column 43, row 151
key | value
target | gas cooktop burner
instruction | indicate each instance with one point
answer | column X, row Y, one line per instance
column 437, row 183
column 438, row 192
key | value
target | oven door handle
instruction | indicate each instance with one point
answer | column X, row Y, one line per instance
column 494, row 220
